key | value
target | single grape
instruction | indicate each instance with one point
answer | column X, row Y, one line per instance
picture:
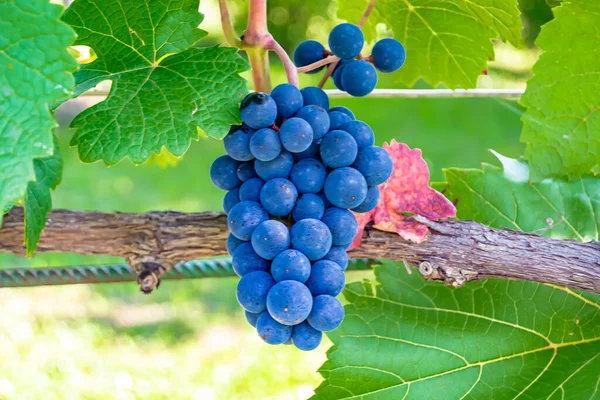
column 288, row 99
column 230, row 199
column 296, row 135
column 345, row 110
column 252, row 317
column 361, row 132
column 326, row 277
column 270, row 238
column 311, row 237
column 318, row 119
column 309, row 52
column 245, row 260
column 388, row 55
column 338, row 149
column 345, row 187
column 305, row 337
column 232, row 243
column 289, row 302
column 375, row 164
column 338, row 255
column 258, row 110
column 323, row 197
column 250, row 190
column 337, row 120
column 244, row 217
column 290, row 265
column 337, row 74
column 359, row 78
column 272, row 331
column 370, row 201
column 346, row 40
column 223, row 173
column 311, row 152
column 237, row 144
column 278, row 197
column 246, row 171
column 308, row 206
column 280, row 167
column 342, row 225
column 327, row 313
column 252, row 291
column 308, row 175
column 265, row 144
column 315, row 96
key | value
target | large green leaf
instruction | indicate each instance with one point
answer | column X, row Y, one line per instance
column 38, row 200
column 34, row 72
column 408, row 338
column 562, row 124
column 162, row 88
column 447, row 41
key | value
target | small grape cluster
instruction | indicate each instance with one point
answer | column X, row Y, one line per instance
column 353, row 74
column 293, row 171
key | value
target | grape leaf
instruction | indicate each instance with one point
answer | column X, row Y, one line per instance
column 35, row 71
column 561, row 126
column 408, row 338
column 162, row 87
column 38, row 201
column 504, row 198
column 406, row 191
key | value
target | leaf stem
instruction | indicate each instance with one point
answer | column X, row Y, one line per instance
column 227, row 25
column 257, row 32
column 288, row 65
column 259, row 62
column 320, row 63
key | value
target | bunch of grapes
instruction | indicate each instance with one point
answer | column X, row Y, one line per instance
column 293, row 171
column 353, row 74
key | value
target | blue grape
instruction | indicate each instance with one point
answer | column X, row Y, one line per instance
column 359, row 78
column 308, row 175
column 290, row 265
column 327, row 313
column 337, row 120
column 338, row 255
column 370, row 201
column 308, row 206
column 296, row 135
column 309, row 52
column 326, row 202
column 318, row 119
column 311, row 152
column 244, row 217
column 326, row 277
column 375, row 164
column 252, row 317
column 388, row 55
column 345, row 187
column 280, row 167
column 315, row 96
column 258, row 110
column 250, row 190
column 338, row 149
column 305, row 337
column 289, row 302
column 342, row 225
column 288, row 99
column 271, row 331
column 361, row 132
column 345, row 110
column 265, row 144
column 223, row 173
column 311, row 237
column 232, row 243
column 346, row 40
column 270, row 238
column 246, row 171
column 237, row 144
column 230, row 199
column 337, row 78
column 278, row 197
column 252, row 291
column 245, row 260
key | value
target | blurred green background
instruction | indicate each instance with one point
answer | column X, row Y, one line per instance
column 190, row 340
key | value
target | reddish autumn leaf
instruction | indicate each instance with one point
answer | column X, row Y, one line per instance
column 407, row 191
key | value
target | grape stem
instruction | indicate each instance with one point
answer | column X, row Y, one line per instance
column 320, row 63
column 288, row 65
column 227, row 25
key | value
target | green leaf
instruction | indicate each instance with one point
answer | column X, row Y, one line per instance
column 446, row 41
column 504, row 198
column 562, row 124
column 34, row 72
column 38, row 201
column 162, row 87
column 408, row 338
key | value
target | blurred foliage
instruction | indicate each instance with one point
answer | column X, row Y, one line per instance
column 534, row 14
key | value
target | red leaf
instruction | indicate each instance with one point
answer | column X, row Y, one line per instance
column 407, row 191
